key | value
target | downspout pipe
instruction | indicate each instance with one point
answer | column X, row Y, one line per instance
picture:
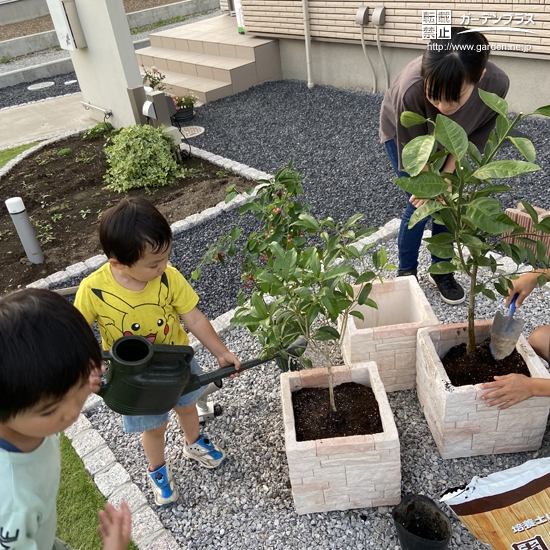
column 307, row 38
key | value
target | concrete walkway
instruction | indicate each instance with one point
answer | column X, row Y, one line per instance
column 42, row 120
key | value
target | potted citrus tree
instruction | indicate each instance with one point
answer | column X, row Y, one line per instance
column 466, row 203
column 298, row 279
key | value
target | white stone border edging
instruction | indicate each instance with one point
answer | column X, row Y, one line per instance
column 110, row 476
column 82, row 268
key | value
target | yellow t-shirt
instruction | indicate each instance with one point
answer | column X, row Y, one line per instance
column 151, row 312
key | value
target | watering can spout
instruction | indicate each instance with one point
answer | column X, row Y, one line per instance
column 294, row 350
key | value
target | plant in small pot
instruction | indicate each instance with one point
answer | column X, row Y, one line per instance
column 184, row 106
column 298, row 276
column 465, row 202
column 152, row 79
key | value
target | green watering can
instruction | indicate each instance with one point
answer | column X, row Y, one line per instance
column 148, row 379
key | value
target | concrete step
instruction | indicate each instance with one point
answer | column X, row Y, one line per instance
column 205, row 89
column 222, row 61
column 224, row 69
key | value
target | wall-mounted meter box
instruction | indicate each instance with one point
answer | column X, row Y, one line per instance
column 67, row 24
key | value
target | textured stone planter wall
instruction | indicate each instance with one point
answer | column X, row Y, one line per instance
column 460, row 421
column 388, row 334
column 342, row 472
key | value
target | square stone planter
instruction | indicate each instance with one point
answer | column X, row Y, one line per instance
column 460, row 421
column 342, row 472
column 388, row 334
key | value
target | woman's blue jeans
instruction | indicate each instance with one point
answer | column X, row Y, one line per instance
column 409, row 240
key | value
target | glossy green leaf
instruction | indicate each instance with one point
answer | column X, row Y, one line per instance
column 425, row 185
column 408, row 119
column 365, row 277
column 525, row 147
column 338, row 271
column 326, row 333
column 489, row 293
column 493, row 101
column 483, row 212
column 441, row 268
column 471, row 240
column 307, row 221
column 474, row 153
column 427, row 209
column 416, row 154
column 289, row 263
column 364, row 294
column 545, row 111
column 502, row 126
column 441, row 250
column 230, row 196
column 358, row 314
column 451, row 135
column 531, row 211
column 504, row 169
column 491, row 190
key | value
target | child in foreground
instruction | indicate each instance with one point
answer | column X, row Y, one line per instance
column 513, row 388
column 137, row 293
column 49, row 363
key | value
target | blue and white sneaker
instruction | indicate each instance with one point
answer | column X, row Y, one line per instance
column 163, row 486
column 205, row 452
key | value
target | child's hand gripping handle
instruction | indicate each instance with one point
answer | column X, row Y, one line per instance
column 293, row 350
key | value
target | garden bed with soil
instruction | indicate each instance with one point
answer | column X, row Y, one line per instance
column 65, row 197
column 480, row 366
column 357, row 412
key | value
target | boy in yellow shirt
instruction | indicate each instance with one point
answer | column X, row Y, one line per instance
column 137, row 293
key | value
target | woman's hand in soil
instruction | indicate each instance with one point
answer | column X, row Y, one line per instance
column 508, row 390
column 116, row 527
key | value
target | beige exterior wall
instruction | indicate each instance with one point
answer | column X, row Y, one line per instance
column 335, row 19
column 337, row 58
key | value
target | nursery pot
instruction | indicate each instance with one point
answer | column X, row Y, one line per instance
column 420, row 524
column 184, row 113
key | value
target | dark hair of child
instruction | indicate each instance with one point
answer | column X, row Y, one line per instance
column 46, row 348
column 129, row 227
column 448, row 64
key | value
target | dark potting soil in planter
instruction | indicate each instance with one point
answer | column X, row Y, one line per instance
column 480, row 366
column 357, row 413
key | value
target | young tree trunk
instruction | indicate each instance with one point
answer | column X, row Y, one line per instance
column 331, row 390
column 471, row 312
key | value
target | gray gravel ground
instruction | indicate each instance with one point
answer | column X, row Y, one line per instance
column 247, row 502
column 332, row 136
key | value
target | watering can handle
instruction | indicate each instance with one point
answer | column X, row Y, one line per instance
column 513, row 304
column 224, row 372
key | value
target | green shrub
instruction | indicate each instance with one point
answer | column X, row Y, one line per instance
column 64, row 152
column 141, row 156
column 97, row 131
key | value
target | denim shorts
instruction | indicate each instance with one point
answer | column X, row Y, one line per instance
column 136, row 424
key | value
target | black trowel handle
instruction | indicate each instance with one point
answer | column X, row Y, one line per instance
column 224, row 372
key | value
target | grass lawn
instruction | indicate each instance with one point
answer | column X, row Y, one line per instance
column 7, row 154
column 78, row 500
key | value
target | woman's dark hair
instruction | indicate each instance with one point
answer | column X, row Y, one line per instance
column 46, row 348
column 128, row 228
column 448, row 64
